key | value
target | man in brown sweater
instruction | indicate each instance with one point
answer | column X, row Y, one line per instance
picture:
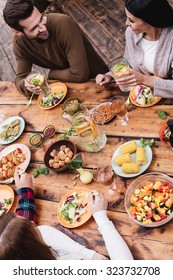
column 52, row 41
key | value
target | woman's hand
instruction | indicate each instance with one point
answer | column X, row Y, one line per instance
column 23, row 181
column 134, row 78
column 102, row 79
column 36, row 89
column 97, row 202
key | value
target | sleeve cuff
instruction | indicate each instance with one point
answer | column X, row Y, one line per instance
column 26, row 204
column 101, row 218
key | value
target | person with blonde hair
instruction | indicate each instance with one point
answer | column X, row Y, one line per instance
column 148, row 47
column 21, row 239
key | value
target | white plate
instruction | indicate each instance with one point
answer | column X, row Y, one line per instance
column 23, row 165
column 118, row 169
column 8, row 121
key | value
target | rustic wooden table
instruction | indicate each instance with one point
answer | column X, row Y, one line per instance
column 145, row 243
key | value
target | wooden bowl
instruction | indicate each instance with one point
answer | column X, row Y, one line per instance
column 56, row 146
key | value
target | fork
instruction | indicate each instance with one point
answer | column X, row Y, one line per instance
column 28, row 104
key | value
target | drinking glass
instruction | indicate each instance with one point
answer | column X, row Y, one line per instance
column 117, row 67
column 118, row 107
column 37, row 78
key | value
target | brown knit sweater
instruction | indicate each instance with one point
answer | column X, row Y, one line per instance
column 67, row 53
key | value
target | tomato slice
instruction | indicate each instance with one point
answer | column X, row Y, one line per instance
column 161, row 134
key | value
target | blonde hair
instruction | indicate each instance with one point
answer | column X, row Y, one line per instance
column 19, row 240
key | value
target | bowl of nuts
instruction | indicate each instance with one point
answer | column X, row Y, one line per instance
column 59, row 155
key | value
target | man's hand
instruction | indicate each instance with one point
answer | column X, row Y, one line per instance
column 36, row 89
column 23, row 181
column 97, row 202
column 103, row 79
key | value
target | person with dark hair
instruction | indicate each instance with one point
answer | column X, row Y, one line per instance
column 52, row 41
column 148, row 48
column 20, row 239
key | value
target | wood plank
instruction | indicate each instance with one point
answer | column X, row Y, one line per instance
column 89, row 23
column 45, row 117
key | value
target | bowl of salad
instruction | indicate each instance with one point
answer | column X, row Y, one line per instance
column 149, row 199
column 142, row 96
column 58, row 93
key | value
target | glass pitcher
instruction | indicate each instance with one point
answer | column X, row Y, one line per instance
column 91, row 136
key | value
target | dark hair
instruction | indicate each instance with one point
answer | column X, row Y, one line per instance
column 16, row 10
column 157, row 13
column 19, row 240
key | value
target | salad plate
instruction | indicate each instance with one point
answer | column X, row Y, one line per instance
column 58, row 93
column 118, row 169
column 73, row 210
column 142, row 96
column 6, row 198
column 17, row 149
column 11, row 129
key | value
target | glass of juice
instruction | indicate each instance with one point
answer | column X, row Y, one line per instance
column 118, row 107
column 117, row 67
column 37, row 78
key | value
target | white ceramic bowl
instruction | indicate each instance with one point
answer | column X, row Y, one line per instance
column 140, row 181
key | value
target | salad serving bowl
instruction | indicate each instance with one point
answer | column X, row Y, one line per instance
column 149, row 200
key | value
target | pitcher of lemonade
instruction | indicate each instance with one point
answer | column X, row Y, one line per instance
column 91, row 136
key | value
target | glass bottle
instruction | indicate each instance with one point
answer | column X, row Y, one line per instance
column 91, row 136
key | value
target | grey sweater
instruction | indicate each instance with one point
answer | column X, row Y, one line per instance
column 163, row 64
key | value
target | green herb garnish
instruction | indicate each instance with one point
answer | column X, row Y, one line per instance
column 38, row 171
column 145, row 143
column 162, row 114
column 69, row 132
column 76, row 163
column 8, row 201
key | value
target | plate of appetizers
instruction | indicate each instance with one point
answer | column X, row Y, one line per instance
column 73, row 210
column 142, row 96
column 11, row 129
column 58, row 93
column 6, row 199
column 131, row 159
column 14, row 157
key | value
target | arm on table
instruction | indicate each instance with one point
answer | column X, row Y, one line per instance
column 116, row 246
column 26, row 203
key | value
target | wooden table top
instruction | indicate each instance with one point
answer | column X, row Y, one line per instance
column 145, row 243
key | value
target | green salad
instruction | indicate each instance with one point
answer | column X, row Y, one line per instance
column 52, row 99
column 73, row 208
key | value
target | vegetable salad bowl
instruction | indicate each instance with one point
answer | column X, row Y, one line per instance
column 149, row 199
